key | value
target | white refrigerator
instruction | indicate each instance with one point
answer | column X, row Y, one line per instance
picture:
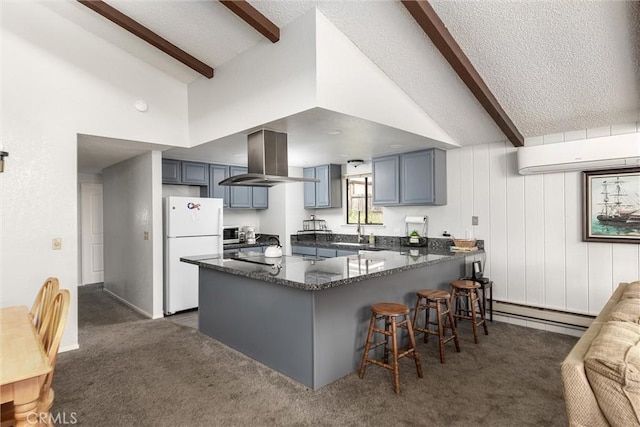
column 192, row 226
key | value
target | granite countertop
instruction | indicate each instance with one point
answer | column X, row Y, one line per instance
column 314, row 274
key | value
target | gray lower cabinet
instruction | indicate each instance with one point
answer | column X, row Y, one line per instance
column 415, row 178
column 303, row 250
column 195, row 173
column 171, row 171
column 328, row 192
column 216, row 174
column 326, row 253
column 341, row 252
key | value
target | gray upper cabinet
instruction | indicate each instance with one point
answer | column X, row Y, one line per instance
column 416, row 178
column 328, row 192
column 171, row 171
column 184, row 172
column 216, row 174
column 195, row 173
column 207, row 176
column 239, row 197
column 386, row 180
column 247, row 197
column 309, row 188
column 260, row 198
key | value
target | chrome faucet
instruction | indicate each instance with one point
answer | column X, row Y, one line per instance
column 360, row 229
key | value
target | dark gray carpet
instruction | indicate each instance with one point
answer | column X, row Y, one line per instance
column 130, row 370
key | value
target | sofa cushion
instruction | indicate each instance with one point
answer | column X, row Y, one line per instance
column 612, row 365
column 631, row 291
column 627, row 310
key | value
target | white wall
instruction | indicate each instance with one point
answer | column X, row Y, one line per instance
column 239, row 98
column 129, row 211
column 58, row 81
column 349, row 82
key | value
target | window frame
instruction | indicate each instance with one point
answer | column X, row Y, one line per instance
column 368, row 196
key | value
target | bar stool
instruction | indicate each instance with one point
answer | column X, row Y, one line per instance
column 434, row 299
column 467, row 290
column 389, row 312
column 477, row 275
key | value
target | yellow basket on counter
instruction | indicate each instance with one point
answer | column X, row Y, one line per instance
column 464, row 243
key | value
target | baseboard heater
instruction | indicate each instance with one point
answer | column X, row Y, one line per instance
column 544, row 315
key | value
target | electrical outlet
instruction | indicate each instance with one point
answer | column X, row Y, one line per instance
column 56, row 243
column 146, row 235
column 474, row 220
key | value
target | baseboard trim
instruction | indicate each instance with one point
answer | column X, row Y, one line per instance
column 543, row 315
column 68, row 348
column 124, row 301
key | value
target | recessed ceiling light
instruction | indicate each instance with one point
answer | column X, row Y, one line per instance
column 334, row 132
column 396, row 146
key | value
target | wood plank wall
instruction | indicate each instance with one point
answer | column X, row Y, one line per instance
column 532, row 227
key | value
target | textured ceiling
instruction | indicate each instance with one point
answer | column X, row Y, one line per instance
column 554, row 65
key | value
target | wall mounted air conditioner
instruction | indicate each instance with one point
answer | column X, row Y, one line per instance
column 608, row 152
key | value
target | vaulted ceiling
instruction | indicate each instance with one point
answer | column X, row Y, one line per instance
column 553, row 66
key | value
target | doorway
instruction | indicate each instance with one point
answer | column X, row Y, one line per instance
column 92, row 253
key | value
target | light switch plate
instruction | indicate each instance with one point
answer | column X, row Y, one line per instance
column 56, row 243
column 146, row 235
column 474, row 220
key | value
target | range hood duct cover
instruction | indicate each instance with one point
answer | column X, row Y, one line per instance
column 267, row 162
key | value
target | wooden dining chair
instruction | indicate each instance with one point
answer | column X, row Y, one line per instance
column 43, row 301
column 49, row 314
column 53, row 326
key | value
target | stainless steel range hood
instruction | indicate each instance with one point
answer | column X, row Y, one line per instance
column 268, row 163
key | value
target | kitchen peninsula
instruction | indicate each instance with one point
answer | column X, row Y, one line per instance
column 308, row 317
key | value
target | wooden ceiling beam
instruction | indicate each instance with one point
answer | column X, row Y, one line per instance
column 253, row 17
column 147, row 35
column 433, row 26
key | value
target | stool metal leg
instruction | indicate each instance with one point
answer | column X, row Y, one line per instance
column 483, row 317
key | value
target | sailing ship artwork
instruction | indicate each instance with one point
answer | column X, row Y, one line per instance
column 613, row 206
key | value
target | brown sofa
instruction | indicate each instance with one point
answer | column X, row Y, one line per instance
column 601, row 374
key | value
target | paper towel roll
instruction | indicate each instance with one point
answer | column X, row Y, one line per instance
column 414, row 219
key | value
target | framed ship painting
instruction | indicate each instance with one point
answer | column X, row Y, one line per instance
column 611, row 211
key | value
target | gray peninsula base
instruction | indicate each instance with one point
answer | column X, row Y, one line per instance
column 314, row 337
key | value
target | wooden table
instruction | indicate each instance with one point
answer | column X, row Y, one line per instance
column 24, row 364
